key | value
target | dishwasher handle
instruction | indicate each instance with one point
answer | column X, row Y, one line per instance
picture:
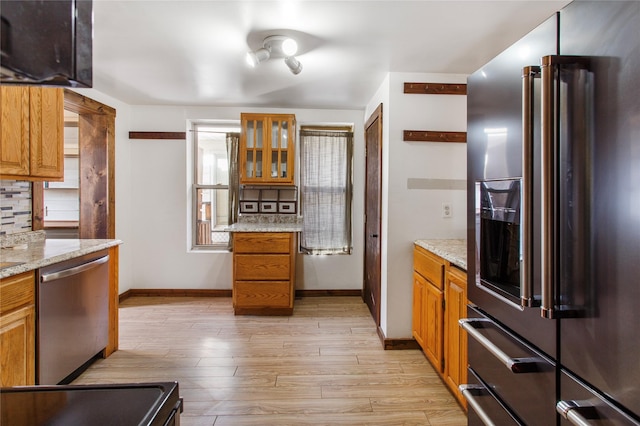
column 73, row 271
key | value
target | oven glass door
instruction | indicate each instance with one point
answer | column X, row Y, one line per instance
column 499, row 239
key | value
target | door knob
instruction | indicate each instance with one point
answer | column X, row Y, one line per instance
column 374, row 235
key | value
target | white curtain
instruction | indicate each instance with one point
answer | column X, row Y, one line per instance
column 233, row 141
column 326, row 191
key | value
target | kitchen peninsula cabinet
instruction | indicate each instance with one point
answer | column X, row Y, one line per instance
column 17, row 330
column 267, row 149
column 439, row 301
column 263, row 273
column 32, row 133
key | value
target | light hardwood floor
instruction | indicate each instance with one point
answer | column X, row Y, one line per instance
column 322, row 366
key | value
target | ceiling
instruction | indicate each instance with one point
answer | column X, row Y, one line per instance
column 182, row 52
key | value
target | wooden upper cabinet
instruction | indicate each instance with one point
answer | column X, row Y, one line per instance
column 14, row 137
column 47, row 132
column 267, row 149
column 32, row 133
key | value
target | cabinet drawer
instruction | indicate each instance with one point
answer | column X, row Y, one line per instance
column 17, row 291
column 271, row 294
column 262, row 267
column 429, row 266
column 262, row 242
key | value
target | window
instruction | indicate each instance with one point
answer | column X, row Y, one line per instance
column 326, row 186
column 215, row 183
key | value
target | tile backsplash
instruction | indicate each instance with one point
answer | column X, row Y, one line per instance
column 15, row 206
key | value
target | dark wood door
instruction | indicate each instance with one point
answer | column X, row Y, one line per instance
column 372, row 200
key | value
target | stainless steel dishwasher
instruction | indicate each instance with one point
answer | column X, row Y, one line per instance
column 73, row 316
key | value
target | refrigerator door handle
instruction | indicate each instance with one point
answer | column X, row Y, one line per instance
column 549, row 68
column 526, row 214
column 547, row 193
column 515, row 365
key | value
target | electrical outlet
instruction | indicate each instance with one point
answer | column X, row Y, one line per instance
column 446, row 210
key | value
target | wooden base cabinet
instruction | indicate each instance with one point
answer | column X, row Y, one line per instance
column 263, row 273
column 17, row 330
column 455, row 338
column 428, row 320
column 439, row 301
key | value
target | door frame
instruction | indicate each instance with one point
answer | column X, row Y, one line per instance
column 96, row 123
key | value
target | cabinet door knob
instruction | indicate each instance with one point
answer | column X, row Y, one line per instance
column 374, row 235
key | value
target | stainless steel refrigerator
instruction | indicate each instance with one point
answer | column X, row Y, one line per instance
column 554, row 223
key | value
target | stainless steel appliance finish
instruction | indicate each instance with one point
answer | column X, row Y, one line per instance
column 563, row 119
column 73, row 315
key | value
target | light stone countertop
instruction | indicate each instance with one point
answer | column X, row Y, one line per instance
column 33, row 251
column 265, row 227
column 455, row 251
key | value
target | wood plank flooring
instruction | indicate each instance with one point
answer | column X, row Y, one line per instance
column 322, row 366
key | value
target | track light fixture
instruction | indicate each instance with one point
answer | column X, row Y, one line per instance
column 294, row 65
column 276, row 46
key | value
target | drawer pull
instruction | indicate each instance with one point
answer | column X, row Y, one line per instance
column 470, row 392
column 515, row 365
column 583, row 413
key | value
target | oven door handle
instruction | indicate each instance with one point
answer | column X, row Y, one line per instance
column 515, row 365
column 470, row 392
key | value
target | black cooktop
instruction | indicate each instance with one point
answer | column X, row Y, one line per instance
column 134, row 404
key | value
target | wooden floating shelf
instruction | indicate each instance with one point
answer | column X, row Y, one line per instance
column 431, row 136
column 158, row 135
column 435, row 88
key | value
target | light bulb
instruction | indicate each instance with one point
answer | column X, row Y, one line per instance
column 260, row 55
column 289, row 47
column 251, row 59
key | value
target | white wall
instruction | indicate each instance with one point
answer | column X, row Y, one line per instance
column 411, row 214
column 159, row 206
column 152, row 194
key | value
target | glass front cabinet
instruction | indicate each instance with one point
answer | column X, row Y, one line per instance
column 267, row 145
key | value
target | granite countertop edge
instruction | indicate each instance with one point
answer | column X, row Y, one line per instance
column 34, row 253
column 265, row 227
column 453, row 250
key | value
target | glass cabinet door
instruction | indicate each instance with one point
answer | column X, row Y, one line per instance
column 279, row 148
column 254, row 143
column 266, row 148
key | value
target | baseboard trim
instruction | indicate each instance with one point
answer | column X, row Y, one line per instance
column 327, row 293
column 161, row 292
column 396, row 344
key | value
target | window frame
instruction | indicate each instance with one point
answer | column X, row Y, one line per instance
column 226, row 127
